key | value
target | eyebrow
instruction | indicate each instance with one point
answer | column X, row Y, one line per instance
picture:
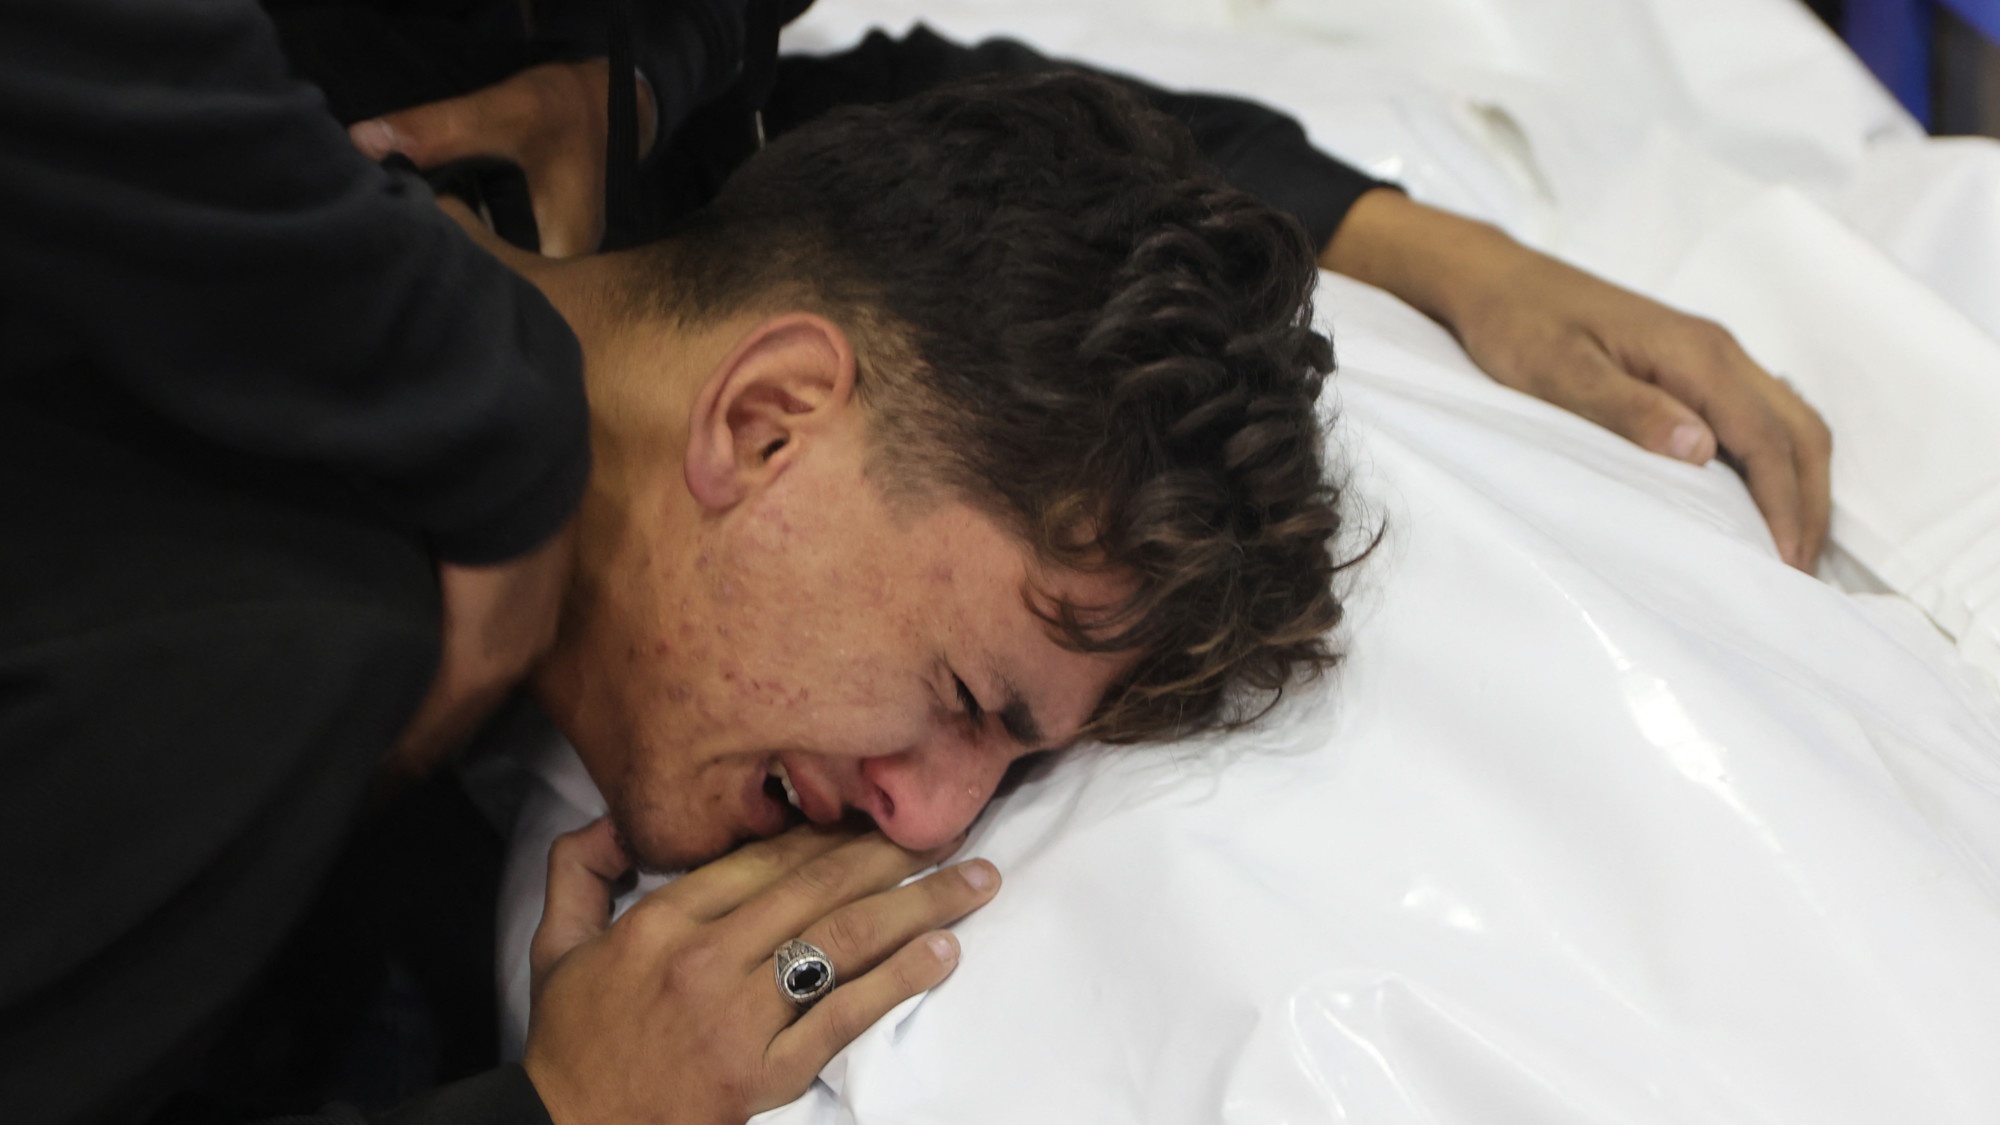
column 1018, row 719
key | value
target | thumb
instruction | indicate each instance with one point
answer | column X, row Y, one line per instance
column 582, row 867
column 1635, row 409
column 1664, row 424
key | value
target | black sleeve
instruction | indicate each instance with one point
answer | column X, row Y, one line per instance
column 198, row 676
column 1255, row 147
column 688, row 50
column 502, row 1096
column 179, row 211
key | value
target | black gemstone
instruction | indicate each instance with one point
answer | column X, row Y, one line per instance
column 806, row 977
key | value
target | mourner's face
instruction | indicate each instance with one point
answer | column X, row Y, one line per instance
column 809, row 652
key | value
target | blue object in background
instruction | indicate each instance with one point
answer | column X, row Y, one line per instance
column 1894, row 38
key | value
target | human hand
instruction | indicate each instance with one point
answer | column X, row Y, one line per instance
column 1672, row 383
column 498, row 620
column 672, row 1013
column 550, row 120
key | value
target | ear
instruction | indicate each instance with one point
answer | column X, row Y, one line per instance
column 764, row 404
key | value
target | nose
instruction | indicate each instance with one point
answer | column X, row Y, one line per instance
column 924, row 796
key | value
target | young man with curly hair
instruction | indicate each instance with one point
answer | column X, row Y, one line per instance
column 954, row 430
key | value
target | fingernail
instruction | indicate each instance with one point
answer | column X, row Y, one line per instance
column 1687, row 443
column 373, row 137
column 977, row 875
column 945, row 949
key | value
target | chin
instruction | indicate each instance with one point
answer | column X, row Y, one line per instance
column 653, row 856
column 656, row 849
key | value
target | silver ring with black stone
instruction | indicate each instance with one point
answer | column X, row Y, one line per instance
column 804, row 973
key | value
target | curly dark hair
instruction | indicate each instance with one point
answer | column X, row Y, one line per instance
column 1063, row 316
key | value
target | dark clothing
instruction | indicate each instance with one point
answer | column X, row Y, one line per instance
column 1256, row 148
column 398, row 53
column 690, row 51
column 184, row 223
column 385, row 990
column 251, row 387
column 160, row 850
column 198, row 676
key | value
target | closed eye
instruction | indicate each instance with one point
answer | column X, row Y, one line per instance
column 968, row 701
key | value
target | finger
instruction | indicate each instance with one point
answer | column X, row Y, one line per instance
column 802, row 1050
column 1760, row 444
column 1761, row 447
column 441, row 132
column 1708, row 370
column 714, row 889
column 1592, row 385
column 582, row 867
column 1812, row 445
column 821, row 885
column 857, row 937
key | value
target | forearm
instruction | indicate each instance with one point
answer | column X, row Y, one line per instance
column 1437, row 262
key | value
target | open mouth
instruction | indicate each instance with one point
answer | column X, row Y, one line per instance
column 778, row 786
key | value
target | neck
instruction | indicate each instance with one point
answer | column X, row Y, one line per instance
column 584, row 290
column 640, row 373
column 633, row 370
